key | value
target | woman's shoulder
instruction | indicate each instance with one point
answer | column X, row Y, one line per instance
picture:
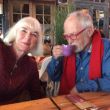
column 1, row 42
column 30, row 59
column 3, row 46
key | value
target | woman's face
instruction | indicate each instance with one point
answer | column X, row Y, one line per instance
column 26, row 39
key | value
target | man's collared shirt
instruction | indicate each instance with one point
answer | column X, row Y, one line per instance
column 83, row 83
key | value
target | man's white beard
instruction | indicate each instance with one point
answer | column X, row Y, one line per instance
column 77, row 48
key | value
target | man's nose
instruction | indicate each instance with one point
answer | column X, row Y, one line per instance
column 70, row 41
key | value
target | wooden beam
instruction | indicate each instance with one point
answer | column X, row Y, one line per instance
column 1, row 1
column 45, row 1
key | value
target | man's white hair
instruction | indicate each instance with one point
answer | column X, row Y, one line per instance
column 83, row 17
column 34, row 25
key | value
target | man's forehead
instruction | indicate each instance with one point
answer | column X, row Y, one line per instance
column 72, row 20
column 72, row 23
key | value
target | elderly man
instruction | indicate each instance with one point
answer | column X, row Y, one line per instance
column 87, row 69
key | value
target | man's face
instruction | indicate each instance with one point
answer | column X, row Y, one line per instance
column 76, row 35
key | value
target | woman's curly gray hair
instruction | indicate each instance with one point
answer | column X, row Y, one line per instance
column 34, row 25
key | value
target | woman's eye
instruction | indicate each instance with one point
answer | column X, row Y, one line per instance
column 35, row 35
column 23, row 30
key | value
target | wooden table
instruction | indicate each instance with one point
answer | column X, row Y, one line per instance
column 97, row 98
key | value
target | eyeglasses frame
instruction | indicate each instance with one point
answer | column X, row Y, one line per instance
column 69, row 36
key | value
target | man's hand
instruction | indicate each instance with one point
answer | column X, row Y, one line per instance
column 57, row 51
column 74, row 90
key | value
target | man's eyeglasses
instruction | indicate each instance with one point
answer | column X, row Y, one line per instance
column 72, row 35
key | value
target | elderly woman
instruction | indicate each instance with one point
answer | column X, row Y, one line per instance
column 18, row 71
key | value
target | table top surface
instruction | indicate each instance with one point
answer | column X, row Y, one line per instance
column 99, row 99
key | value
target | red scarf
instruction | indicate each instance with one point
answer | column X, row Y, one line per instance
column 68, row 77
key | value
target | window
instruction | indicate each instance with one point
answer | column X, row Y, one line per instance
column 98, row 0
column 43, row 13
column 19, row 11
column 62, row 1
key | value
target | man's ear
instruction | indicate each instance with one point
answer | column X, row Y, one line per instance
column 90, row 31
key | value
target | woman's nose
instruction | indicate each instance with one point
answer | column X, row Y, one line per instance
column 28, row 35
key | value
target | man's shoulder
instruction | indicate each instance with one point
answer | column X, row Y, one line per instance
column 106, row 43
